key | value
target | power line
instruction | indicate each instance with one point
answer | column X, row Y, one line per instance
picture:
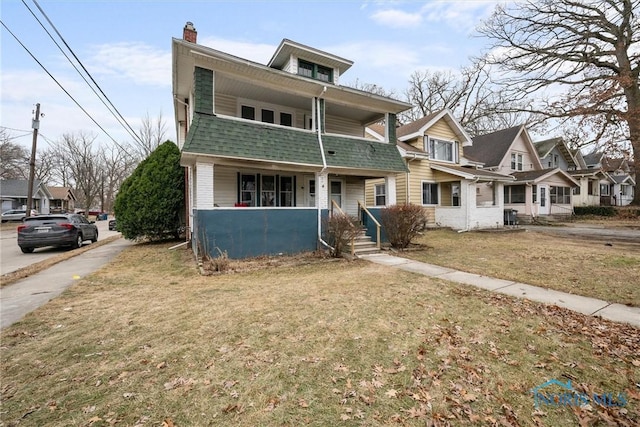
column 121, row 120
column 60, row 85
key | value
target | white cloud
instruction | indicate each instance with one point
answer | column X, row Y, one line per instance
column 461, row 15
column 397, row 18
column 136, row 62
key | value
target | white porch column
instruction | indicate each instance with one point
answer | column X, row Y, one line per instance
column 390, row 184
column 322, row 190
column 204, row 185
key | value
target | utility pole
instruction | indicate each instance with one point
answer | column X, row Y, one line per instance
column 35, row 124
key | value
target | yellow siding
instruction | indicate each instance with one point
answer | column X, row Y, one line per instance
column 369, row 190
column 420, row 171
column 401, row 188
column 430, row 214
column 441, row 129
column 342, row 126
column 226, row 105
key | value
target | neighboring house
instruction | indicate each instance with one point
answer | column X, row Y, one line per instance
column 590, row 181
column 14, row 194
column 439, row 178
column 554, row 153
column 270, row 150
column 623, row 187
column 63, row 199
column 537, row 190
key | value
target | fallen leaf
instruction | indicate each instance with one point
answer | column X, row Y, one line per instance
column 303, row 403
column 168, row 423
column 391, row 393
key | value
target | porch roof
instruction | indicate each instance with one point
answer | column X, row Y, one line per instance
column 233, row 138
column 470, row 173
column 540, row 175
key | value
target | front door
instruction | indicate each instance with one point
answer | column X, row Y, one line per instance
column 335, row 188
column 544, row 203
column 311, row 192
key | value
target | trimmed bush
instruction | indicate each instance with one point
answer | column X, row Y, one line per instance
column 595, row 210
column 402, row 223
column 150, row 202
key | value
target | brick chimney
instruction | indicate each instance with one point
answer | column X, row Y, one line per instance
column 189, row 33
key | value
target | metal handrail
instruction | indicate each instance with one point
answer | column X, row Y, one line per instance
column 375, row 221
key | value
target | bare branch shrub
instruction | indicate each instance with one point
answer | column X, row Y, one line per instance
column 402, row 223
column 340, row 230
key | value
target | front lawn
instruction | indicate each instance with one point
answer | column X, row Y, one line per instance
column 582, row 267
column 147, row 341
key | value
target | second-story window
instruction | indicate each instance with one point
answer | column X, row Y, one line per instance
column 265, row 113
column 516, row 161
column 441, row 150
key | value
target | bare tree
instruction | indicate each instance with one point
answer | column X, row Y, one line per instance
column 14, row 159
column 83, row 162
column 478, row 104
column 152, row 134
column 586, row 52
column 117, row 164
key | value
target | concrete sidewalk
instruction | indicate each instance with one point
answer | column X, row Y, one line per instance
column 584, row 305
column 24, row 296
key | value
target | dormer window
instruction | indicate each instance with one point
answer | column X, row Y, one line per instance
column 315, row 71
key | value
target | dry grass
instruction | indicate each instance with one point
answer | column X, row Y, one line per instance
column 580, row 267
column 148, row 341
column 14, row 276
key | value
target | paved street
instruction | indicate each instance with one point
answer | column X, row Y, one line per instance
column 12, row 259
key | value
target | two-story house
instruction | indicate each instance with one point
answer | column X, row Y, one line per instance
column 439, row 178
column 270, row 148
column 538, row 190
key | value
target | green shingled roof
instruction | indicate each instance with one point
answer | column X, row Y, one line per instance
column 216, row 136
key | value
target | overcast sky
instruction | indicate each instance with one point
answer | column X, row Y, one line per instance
column 126, row 46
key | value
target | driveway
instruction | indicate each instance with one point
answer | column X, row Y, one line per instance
column 13, row 259
column 591, row 232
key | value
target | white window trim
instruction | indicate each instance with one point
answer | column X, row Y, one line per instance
column 454, row 149
column 519, row 161
column 422, row 183
column 376, row 195
column 259, row 106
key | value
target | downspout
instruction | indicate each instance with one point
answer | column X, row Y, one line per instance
column 324, row 166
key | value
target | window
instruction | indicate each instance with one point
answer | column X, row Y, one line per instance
column 336, row 192
column 429, row 193
column 286, row 119
column 305, row 68
column 248, row 190
column 560, row 195
column 450, row 193
column 442, row 150
column 268, row 116
column 624, row 189
column 516, row 161
column 324, row 73
column 266, row 113
column 576, row 191
column 286, row 191
column 604, row 189
column 380, row 195
column 268, row 191
column 248, row 112
column 315, row 71
column 514, row 194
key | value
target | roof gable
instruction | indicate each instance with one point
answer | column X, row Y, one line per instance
column 491, row 148
column 289, row 47
column 421, row 126
column 19, row 188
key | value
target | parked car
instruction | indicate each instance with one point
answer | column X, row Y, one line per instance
column 14, row 215
column 112, row 225
column 55, row 230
